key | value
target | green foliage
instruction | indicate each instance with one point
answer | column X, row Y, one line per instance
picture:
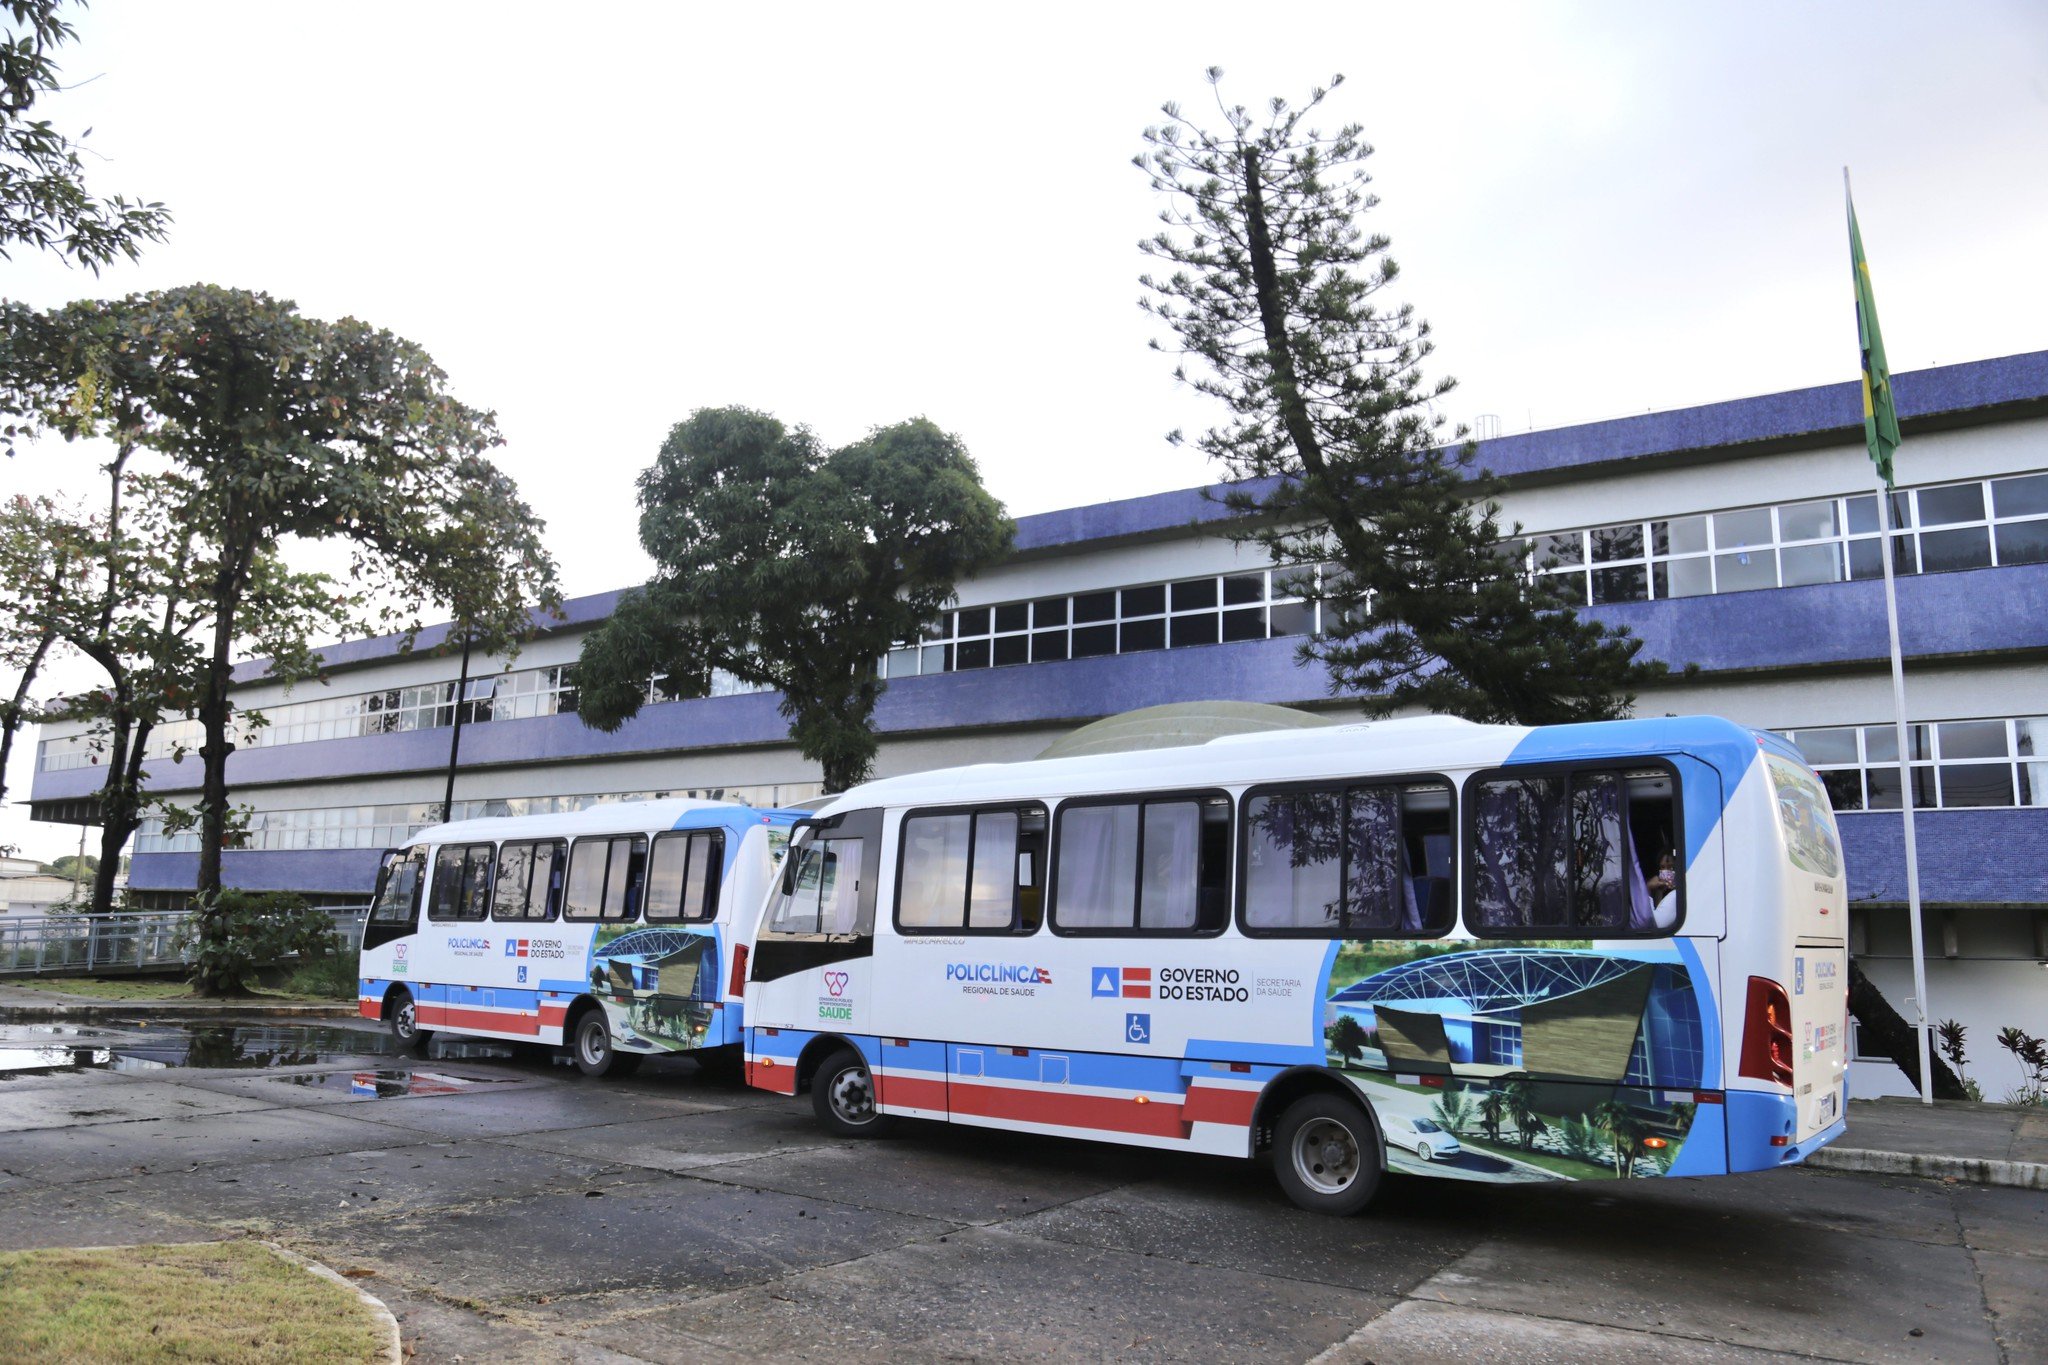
column 1583, row 1140
column 1454, row 1111
column 276, row 427
column 2032, row 1055
column 1334, row 440
column 331, row 978
column 1347, row 1035
column 241, row 931
column 1493, row 1111
column 43, row 199
column 1521, row 1104
column 791, row 567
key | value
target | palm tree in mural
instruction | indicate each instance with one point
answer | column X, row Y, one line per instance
column 1453, row 1111
column 1625, row 1132
column 1347, row 1036
column 1493, row 1108
column 1521, row 1102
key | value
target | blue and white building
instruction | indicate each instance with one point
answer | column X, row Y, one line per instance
column 1738, row 539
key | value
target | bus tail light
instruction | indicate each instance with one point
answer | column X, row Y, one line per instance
column 738, row 985
column 1767, row 1033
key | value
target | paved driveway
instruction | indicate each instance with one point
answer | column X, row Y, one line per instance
column 509, row 1209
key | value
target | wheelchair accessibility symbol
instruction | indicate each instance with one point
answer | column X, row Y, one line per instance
column 1137, row 1028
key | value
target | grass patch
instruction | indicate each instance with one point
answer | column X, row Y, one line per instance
column 231, row 1302
column 111, row 987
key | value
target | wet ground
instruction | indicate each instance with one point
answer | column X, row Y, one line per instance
column 506, row 1206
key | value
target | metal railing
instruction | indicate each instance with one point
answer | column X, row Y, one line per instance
column 79, row 945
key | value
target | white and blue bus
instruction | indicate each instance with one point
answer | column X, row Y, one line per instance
column 607, row 930
column 1598, row 951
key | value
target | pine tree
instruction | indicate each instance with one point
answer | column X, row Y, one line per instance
column 1335, row 447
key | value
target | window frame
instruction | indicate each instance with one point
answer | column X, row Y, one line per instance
column 1015, row 928
column 1620, row 767
column 433, row 883
column 1141, row 799
column 715, row 837
column 604, row 892
column 1241, row 882
column 552, row 905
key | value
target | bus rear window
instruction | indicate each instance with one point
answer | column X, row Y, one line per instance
column 1349, row 862
column 1803, row 810
column 1585, row 853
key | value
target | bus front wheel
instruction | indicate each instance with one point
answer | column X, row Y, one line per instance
column 404, row 1018
column 843, row 1094
column 595, row 1053
column 1326, row 1155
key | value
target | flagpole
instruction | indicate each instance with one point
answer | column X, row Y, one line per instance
column 1891, row 617
column 1874, row 374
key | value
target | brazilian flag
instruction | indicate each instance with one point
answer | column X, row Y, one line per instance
column 1880, row 417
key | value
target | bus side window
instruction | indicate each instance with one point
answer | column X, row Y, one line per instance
column 398, row 892
column 683, row 876
column 971, row 871
column 461, row 888
column 1337, row 862
column 529, row 881
column 1555, row 853
column 1147, row 866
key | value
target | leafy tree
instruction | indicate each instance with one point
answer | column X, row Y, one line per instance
column 1521, row 1100
column 245, row 930
column 1454, row 1110
column 69, row 864
column 43, row 199
column 1334, row 442
column 275, row 426
column 791, row 567
column 35, row 571
column 1493, row 1109
column 1625, row 1133
column 1347, row 1035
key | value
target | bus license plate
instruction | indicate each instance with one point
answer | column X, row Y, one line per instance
column 1824, row 1107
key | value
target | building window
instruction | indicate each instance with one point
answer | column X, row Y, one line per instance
column 1981, row 524
column 1954, row 764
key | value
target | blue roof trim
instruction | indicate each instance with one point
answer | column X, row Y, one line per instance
column 1947, row 390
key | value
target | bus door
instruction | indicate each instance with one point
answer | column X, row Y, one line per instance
column 395, row 908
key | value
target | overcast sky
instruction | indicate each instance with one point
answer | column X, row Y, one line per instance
column 600, row 220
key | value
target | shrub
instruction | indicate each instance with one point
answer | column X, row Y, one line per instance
column 244, row 930
column 331, row 978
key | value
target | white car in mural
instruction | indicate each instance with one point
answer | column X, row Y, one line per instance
column 1425, row 1139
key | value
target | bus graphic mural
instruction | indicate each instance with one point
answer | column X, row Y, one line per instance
column 1553, row 1062
column 659, row 985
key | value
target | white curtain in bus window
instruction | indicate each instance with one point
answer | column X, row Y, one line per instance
column 623, row 882
column 1293, row 856
column 584, row 897
column 682, row 877
column 706, row 875
column 839, row 889
column 1098, row 868
column 1173, row 864
column 935, row 849
column 992, row 895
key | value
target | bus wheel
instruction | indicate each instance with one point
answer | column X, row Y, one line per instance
column 595, row 1055
column 843, row 1094
column 404, row 1018
column 1326, row 1155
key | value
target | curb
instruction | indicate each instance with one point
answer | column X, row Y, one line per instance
column 394, row 1350
column 2013, row 1175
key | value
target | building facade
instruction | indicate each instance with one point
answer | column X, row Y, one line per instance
column 1738, row 539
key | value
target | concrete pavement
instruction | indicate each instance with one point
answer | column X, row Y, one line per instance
column 513, row 1208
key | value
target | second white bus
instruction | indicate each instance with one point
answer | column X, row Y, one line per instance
column 1599, row 951
column 606, row 930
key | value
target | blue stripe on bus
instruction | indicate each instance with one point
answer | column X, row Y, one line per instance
column 1705, row 1148
column 737, row 819
column 1754, row 1118
column 1709, row 1011
column 783, row 1044
column 569, row 987
column 914, row 1054
column 1267, row 1054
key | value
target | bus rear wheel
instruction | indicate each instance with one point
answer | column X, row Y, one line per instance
column 1326, row 1155
column 403, row 1017
column 595, row 1053
column 843, row 1096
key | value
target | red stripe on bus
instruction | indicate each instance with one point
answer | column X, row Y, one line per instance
column 1219, row 1104
column 490, row 1021
column 1153, row 1118
column 779, row 1077
column 910, row 1092
column 370, row 1009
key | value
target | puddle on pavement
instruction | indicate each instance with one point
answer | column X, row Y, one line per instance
column 136, row 1045
column 385, row 1085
